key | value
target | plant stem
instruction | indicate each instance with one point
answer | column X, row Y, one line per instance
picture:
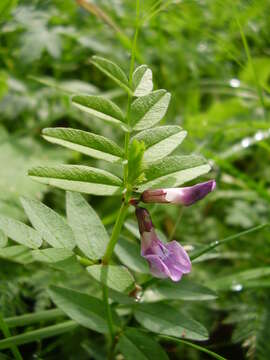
column 124, row 207
column 131, row 69
column 216, row 243
column 115, row 233
column 7, row 334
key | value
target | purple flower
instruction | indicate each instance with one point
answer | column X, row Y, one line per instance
column 165, row 260
column 185, row 196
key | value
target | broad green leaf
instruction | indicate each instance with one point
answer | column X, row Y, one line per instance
column 79, row 178
column 115, row 277
column 164, row 319
column 90, row 234
column 17, row 253
column 160, row 141
column 146, row 111
column 129, row 254
column 3, row 239
column 236, row 281
column 84, row 309
column 51, row 226
column 183, row 290
column 100, row 107
column 142, row 81
column 173, row 171
column 136, row 344
column 35, row 335
column 19, row 232
column 51, row 255
column 113, row 71
column 84, row 142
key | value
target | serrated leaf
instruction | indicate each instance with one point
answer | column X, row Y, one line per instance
column 129, row 254
column 84, row 142
column 17, row 253
column 79, row 178
column 136, row 344
column 183, row 290
column 84, row 309
column 160, row 141
column 51, row 255
column 51, row 226
column 142, row 81
column 113, row 71
column 19, row 232
column 100, row 107
column 115, row 277
column 3, row 239
column 90, row 234
column 146, row 111
column 173, row 171
column 166, row 320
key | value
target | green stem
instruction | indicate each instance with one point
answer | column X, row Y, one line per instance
column 108, row 313
column 216, row 243
column 124, row 207
column 7, row 334
column 115, row 233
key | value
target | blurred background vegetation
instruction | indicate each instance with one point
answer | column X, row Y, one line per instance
column 213, row 56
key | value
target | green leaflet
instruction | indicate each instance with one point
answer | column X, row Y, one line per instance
column 183, row 290
column 100, row 107
column 51, row 226
column 79, row 178
column 148, row 110
column 136, row 344
column 173, row 171
column 3, row 239
column 17, row 253
column 128, row 253
column 51, row 255
column 84, row 309
column 113, row 71
column 142, row 81
column 115, row 277
column 160, row 141
column 166, row 320
column 90, row 234
column 84, row 142
column 19, row 232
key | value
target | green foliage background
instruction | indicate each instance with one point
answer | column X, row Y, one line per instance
column 213, row 57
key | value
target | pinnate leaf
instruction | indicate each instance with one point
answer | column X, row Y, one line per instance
column 183, row 290
column 100, row 107
column 19, row 232
column 84, row 142
column 148, row 110
column 84, row 309
column 166, row 320
column 90, row 234
column 173, row 171
column 142, row 81
column 51, row 226
column 79, row 178
column 160, row 141
column 113, row 71
column 115, row 277
column 51, row 255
